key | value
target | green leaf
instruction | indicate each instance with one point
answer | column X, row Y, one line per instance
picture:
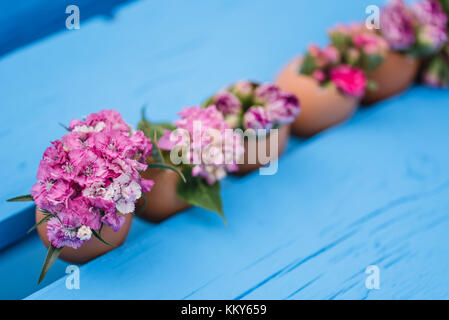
column 154, row 131
column 165, row 166
column 150, row 129
column 199, row 193
column 21, row 198
column 308, row 65
column 52, row 255
column 371, row 62
column 445, row 5
column 64, row 126
column 157, row 155
column 45, row 219
column 340, row 41
column 100, row 238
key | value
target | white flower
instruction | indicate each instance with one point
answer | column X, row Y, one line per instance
column 88, row 129
column 84, row 233
column 124, row 192
column 95, row 191
column 125, row 206
column 100, row 126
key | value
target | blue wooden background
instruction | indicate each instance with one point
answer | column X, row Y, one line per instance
column 372, row 191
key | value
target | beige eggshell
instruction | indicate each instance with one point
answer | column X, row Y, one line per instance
column 246, row 167
column 321, row 107
column 162, row 201
column 395, row 75
column 91, row 249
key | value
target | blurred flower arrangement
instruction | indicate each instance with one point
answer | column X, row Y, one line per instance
column 328, row 66
column 209, row 150
column 420, row 30
column 88, row 179
column 435, row 72
column 249, row 105
column 358, row 46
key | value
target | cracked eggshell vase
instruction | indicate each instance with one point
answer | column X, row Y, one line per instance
column 91, row 249
column 162, row 201
column 394, row 76
column 321, row 107
column 246, row 167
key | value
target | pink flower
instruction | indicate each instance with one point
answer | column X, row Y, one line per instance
column 227, row 103
column 113, row 144
column 430, row 12
column 209, row 117
column 63, row 232
column 321, row 60
column 243, row 88
column 216, row 156
column 257, row 117
column 319, row 75
column 266, row 93
column 55, row 154
column 86, row 211
column 142, row 146
column 147, row 185
column 351, row 81
column 284, row 109
column 332, row 54
column 111, row 118
column 165, row 142
column 89, row 167
column 432, row 37
column 90, row 176
column 370, row 43
column 397, row 25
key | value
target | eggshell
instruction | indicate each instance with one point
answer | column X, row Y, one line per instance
column 91, row 249
column 246, row 167
column 162, row 201
column 321, row 107
column 395, row 75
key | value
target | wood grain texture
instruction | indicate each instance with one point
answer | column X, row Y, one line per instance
column 372, row 191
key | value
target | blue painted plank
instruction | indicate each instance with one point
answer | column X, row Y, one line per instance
column 20, row 265
column 23, row 22
column 165, row 54
column 374, row 191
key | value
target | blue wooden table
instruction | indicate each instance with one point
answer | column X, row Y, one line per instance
column 374, row 191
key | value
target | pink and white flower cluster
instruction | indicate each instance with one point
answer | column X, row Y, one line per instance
column 249, row 105
column 421, row 29
column 213, row 149
column 91, row 177
column 328, row 66
column 358, row 46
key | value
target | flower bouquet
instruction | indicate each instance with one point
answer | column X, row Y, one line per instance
column 88, row 183
column 203, row 148
column 363, row 49
column 435, row 72
column 413, row 33
column 260, row 112
column 328, row 87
